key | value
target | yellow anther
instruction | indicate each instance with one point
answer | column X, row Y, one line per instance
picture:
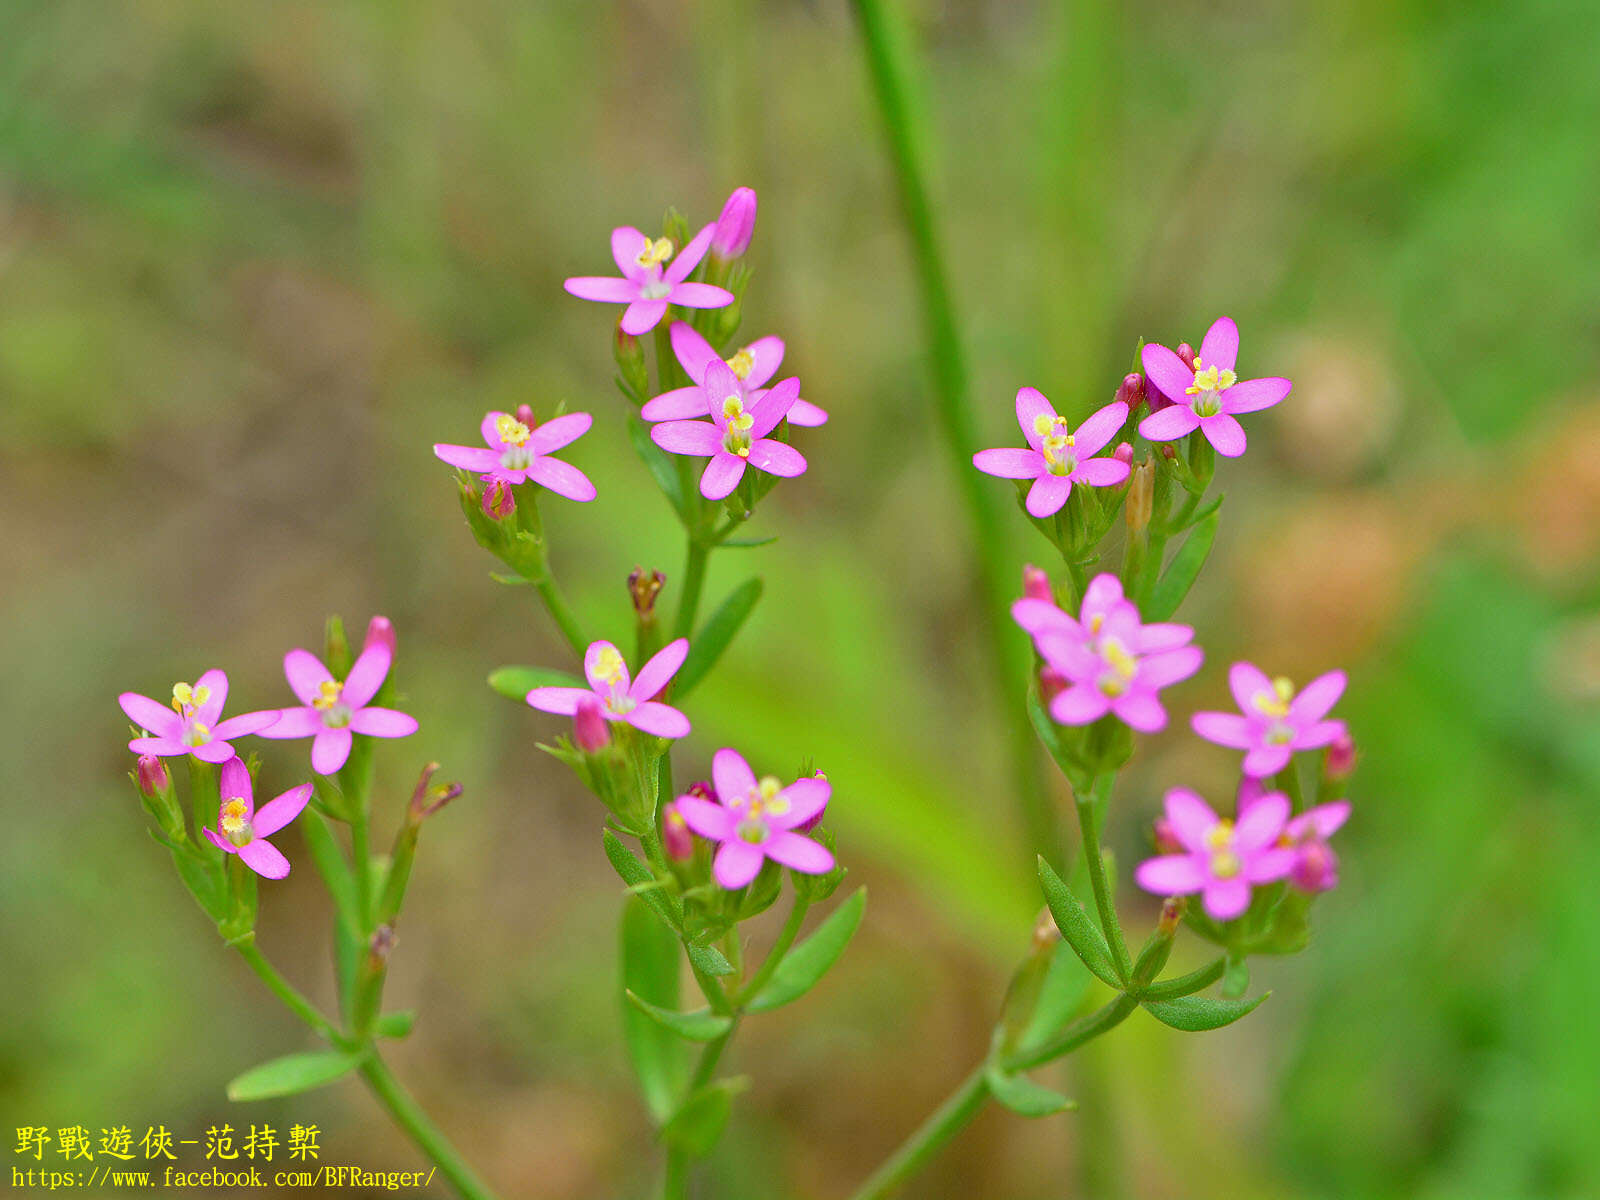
column 328, row 692
column 1210, row 379
column 734, row 414
column 1225, row 864
column 1096, row 622
column 655, row 253
column 608, row 665
column 234, row 816
column 186, row 699
column 1120, row 660
column 742, row 363
column 1219, row 836
column 1276, row 702
column 768, row 787
column 512, row 431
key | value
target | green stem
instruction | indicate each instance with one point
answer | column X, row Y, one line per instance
column 694, row 579
column 949, row 1119
column 786, row 937
column 421, row 1129
column 883, row 41
column 545, row 584
column 675, row 1179
column 1090, row 810
column 1289, row 782
column 1080, row 1031
column 709, row 1057
column 290, row 995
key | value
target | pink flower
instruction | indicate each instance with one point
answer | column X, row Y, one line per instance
column 757, row 820
column 515, row 453
column 244, row 829
column 331, row 711
column 1273, row 722
column 631, row 702
column 1105, row 609
column 650, row 282
column 1316, row 866
column 751, row 366
column 1057, row 456
column 735, row 436
column 193, row 724
column 735, row 224
column 589, row 732
column 1208, row 396
column 1220, row 860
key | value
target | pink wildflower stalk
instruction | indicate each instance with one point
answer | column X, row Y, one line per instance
column 631, row 701
column 752, row 367
column 735, row 436
column 651, row 279
column 1209, row 395
column 331, row 712
column 193, row 724
column 757, row 820
column 1057, row 456
column 1273, row 722
column 516, row 453
column 245, row 828
column 1219, row 859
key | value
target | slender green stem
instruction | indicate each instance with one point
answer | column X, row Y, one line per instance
column 786, row 936
column 1080, row 1031
column 361, row 853
column 883, row 39
column 694, row 579
column 1090, row 808
column 675, row 1179
column 563, row 615
column 710, row 1056
column 1289, row 782
column 408, row 1114
column 290, row 995
column 949, row 1119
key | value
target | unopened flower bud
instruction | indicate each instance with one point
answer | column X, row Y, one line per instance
column 1131, row 390
column 1141, row 496
column 1036, row 584
column 589, row 731
column 675, row 227
column 336, row 647
column 675, row 836
column 1167, row 838
column 498, row 502
column 815, row 819
column 1051, row 684
column 1186, row 352
column 153, row 777
column 702, row 789
column 735, row 225
column 1123, row 453
column 1317, row 868
column 380, row 632
column 1171, row 913
column 1341, row 759
column 427, row 797
column 1169, row 451
column 644, row 586
column 524, row 414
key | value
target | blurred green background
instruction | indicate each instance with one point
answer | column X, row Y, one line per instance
column 255, row 259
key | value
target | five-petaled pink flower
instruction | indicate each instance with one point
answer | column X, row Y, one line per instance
column 1208, row 396
column 1057, row 456
column 332, row 711
column 193, row 724
column 651, row 278
column 1112, row 662
column 514, row 453
column 755, row 820
column 245, row 828
column 1219, row 859
column 751, row 367
column 1316, row 866
column 735, row 435
column 621, row 699
column 1273, row 722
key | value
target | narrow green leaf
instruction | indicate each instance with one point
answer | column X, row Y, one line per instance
column 1180, row 574
column 1065, row 983
column 1082, row 934
column 702, row 1025
column 1184, row 985
column 292, row 1074
column 634, row 873
column 1023, row 1096
column 808, row 962
column 510, row 579
column 715, row 635
column 395, row 1024
column 516, row 682
column 650, row 973
column 1196, row 1014
column 699, row 1122
column 748, row 543
column 661, row 468
column 709, row 960
column 1235, row 979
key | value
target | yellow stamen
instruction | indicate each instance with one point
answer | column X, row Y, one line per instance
column 186, row 699
column 1225, row 864
column 655, row 253
column 328, row 692
column 512, row 431
column 1210, row 379
column 608, row 665
column 1219, row 836
column 234, row 818
column 1121, row 661
column 733, row 412
column 1276, row 702
column 742, row 363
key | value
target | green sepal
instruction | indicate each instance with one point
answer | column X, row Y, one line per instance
column 715, row 635
column 748, row 543
column 1196, row 1014
column 702, row 1025
column 1077, row 926
column 293, row 1074
column 809, row 961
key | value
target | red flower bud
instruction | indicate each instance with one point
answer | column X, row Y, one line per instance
column 1131, row 390
column 1036, row 584
column 380, row 631
column 1341, row 760
column 498, row 502
column 735, row 225
column 1051, row 683
column 153, row 777
column 1123, row 453
column 589, row 730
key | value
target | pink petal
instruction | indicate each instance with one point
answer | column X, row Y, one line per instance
column 627, row 243
column 1047, row 495
column 641, row 316
column 682, row 266
column 1265, row 866
column 1168, row 667
column 367, row 675
column 1140, row 711
column 1324, row 820
column 1220, row 347
column 1319, row 735
column 807, row 798
column 563, row 701
column 1008, row 462
column 1191, row 818
column 700, row 295
column 563, row 479
column 1099, row 428
column 1170, row 424
column 605, row 289
column 777, row 458
column 213, row 752
column 693, row 352
column 294, row 723
column 1167, row 372
column 1226, row 899
column 1104, row 591
column 1260, row 824
column 1316, row 698
column 489, row 427
column 798, row 853
column 659, row 719
column 329, row 750
column 1040, row 616
column 382, row 722
column 1170, row 875
column 220, row 842
column 160, row 746
column 737, row 863
column 1266, row 760
column 264, row 859
column 658, row 672
column 680, row 404
column 1101, row 472
column 1247, row 681
column 707, row 819
column 280, row 810
column 1151, row 639
column 807, row 415
column 233, row 783
column 215, row 682
column 1224, row 433
column 732, row 776
column 698, row 438
column 766, row 356
column 559, row 431
column 1254, row 394
column 476, row 459
column 591, row 668
column 720, row 383
column 151, row 715
column 773, row 406
column 244, row 724
column 1079, row 705
column 1031, row 405
column 1225, row 729
column 721, row 476
column 305, row 673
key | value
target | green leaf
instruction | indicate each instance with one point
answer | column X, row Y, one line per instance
column 709, row 960
column 808, row 962
column 697, row 1125
column 395, row 1024
column 292, row 1074
column 516, row 682
column 1183, row 985
column 1023, row 1096
column 1065, row 982
column 748, row 543
column 510, row 579
column 661, row 468
column 634, row 873
column 702, row 1025
column 715, row 635
column 650, row 973
column 1180, row 573
column 1235, row 979
column 1196, row 1014
column 1077, row 926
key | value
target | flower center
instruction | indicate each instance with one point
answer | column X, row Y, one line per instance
column 186, row 700
column 512, row 431
column 1225, row 863
column 234, row 820
column 752, row 829
column 1275, row 703
column 196, row 734
column 1115, row 681
column 1209, row 383
column 516, row 458
column 654, row 253
column 736, row 426
column 1059, row 455
column 330, row 703
column 608, row 666
column 742, row 363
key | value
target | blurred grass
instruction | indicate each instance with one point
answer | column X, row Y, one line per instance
column 254, row 260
